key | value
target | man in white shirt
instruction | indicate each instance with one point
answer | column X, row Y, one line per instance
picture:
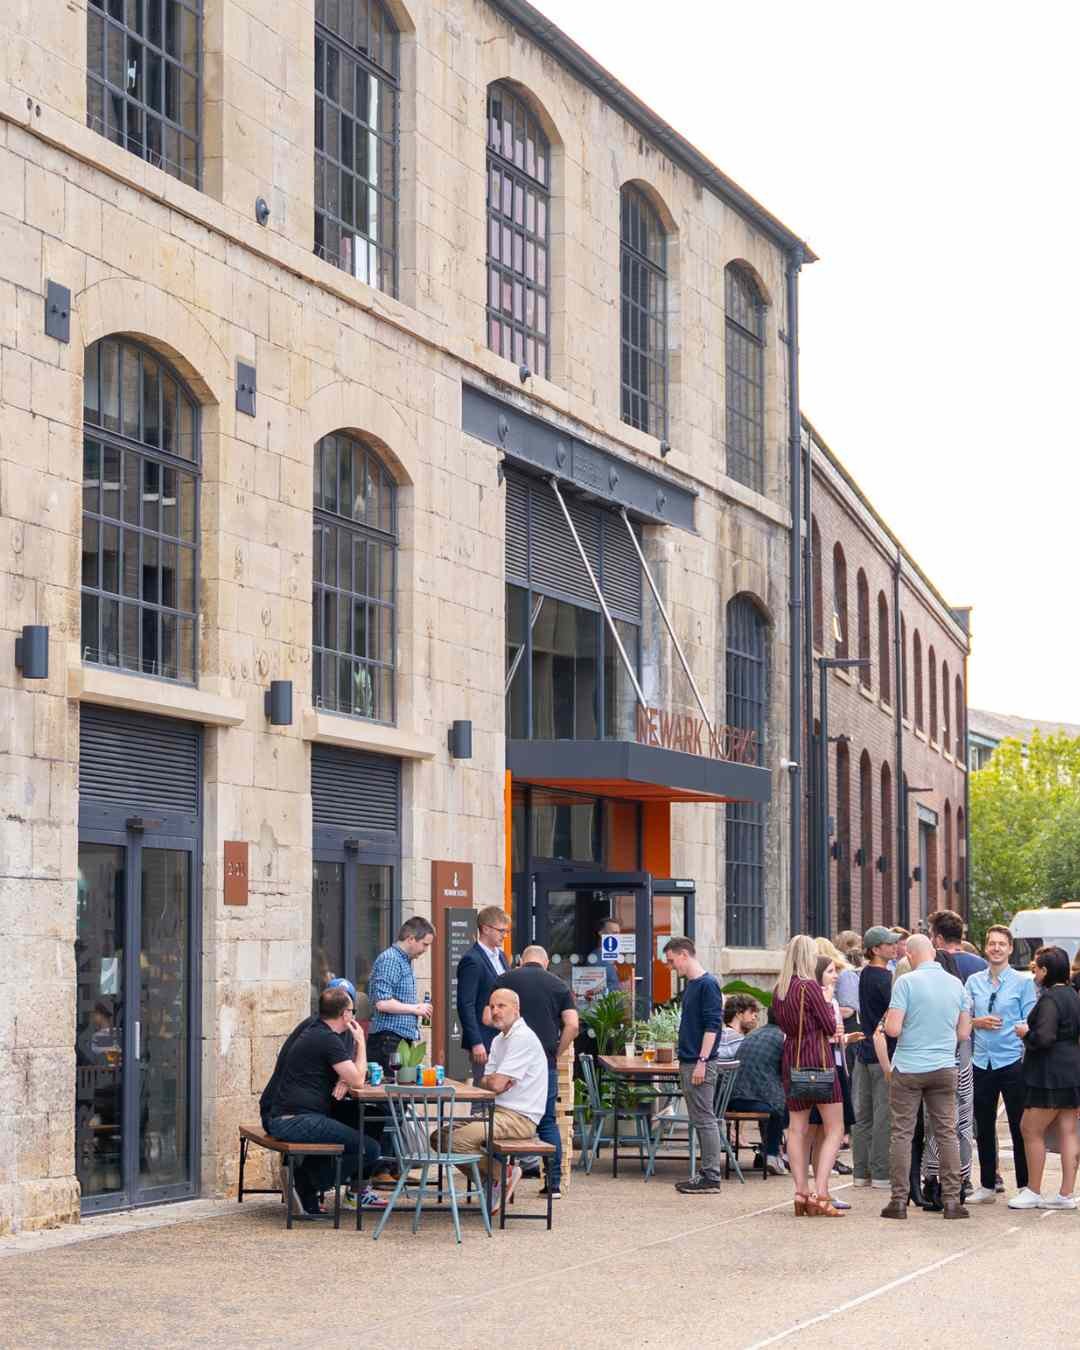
column 517, row 1072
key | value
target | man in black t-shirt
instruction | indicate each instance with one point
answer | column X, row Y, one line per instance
column 314, row 1070
column 869, row 1086
column 547, row 1008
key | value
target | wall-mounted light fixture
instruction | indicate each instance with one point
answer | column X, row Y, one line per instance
column 860, row 857
column 665, row 449
column 460, row 740
column 882, row 863
column 32, row 651
column 524, row 373
column 262, row 210
column 916, row 874
column 277, row 703
column 836, row 849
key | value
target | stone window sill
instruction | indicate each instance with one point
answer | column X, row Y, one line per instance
column 138, row 693
column 356, row 734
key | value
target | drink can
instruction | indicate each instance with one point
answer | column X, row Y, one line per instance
column 375, row 1074
column 440, row 1075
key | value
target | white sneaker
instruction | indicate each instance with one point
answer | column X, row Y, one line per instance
column 1026, row 1199
column 775, row 1166
column 881, row 1185
column 1059, row 1202
column 860, row 1181
column 981, row 1196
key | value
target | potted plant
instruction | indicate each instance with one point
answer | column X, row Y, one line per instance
column 412, row 1056
column 607, row 1021
column 662, row 1029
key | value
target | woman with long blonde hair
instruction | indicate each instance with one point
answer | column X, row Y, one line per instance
column 808, row 1021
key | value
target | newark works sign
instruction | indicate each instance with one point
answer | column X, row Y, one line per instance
column 678, row 731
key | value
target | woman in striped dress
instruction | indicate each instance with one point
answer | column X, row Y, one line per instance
column 808, row 1020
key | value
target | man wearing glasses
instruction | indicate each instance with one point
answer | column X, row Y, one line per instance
column 477, row 972
column 998, row 998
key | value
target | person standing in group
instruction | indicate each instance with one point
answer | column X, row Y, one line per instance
column 699, row 1031
column 870, row 1087
column 481, row 967
column 1051, row 1039
column 927, row 1017
column 998, row 998
column 808, row 1021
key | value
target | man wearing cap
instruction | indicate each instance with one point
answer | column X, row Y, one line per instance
column 869, row 1086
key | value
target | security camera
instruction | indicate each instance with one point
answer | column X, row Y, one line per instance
column 791, row 765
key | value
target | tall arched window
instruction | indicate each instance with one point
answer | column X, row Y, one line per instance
column 355, row 555
column 745, row 374
column 643, row 291
column 947, row 862
column 903, row 668
column 946, row 700
column 815, row 569
column 747, row 700
column 960, row 888
column 931, row 670
column 140, row 541
column 843, row 836
column 883, row 640
column 518, row 213
column 886, row 845
column 839, row 609
column 866, row 840
column 862, row 594
column 356, row 129
column 960, row 711
column 916, row 661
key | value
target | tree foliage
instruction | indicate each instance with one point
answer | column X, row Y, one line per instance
column 1025, row 828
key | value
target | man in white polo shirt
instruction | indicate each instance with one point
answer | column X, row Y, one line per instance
column 517, row 1072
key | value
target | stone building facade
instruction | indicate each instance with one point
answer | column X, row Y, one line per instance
column 234, row 451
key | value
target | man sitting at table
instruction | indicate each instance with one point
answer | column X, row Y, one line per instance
column 517, row 1072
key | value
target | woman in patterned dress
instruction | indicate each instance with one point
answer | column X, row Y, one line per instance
column 798, row 994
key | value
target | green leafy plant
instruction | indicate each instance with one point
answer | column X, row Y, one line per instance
column 412, row 1053
column 607, row 1021
column 741, row 987
column 662, row 1028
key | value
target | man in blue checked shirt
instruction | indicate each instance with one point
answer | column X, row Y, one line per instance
column 998, row 998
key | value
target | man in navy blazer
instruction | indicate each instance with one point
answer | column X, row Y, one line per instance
column 477, row 971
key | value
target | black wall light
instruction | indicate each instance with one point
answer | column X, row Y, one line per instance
column 278, row 703
column 460, row 740
column 32, row 652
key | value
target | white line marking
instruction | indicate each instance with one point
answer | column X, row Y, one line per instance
column 877, row 1293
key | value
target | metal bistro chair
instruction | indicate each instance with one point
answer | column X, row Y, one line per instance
column 592, row 1132
column 420, row 1124
column 725, row 1083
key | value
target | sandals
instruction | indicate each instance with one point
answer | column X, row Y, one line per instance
column 801, row 1202
column 821, row 1206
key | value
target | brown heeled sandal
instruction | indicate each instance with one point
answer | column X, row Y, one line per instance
column 801, row 1201
column 823, row 1207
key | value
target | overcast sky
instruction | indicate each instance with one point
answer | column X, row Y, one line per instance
column 928, row 154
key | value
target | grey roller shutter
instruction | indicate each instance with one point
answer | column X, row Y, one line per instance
column 138, row 763
column 517, row 530
column 355, row 791
column 621, row 570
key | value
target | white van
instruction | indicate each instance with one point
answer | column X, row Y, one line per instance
column 1035, row 928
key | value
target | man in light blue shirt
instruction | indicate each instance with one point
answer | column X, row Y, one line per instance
column 997, row 999
column 927, row 1016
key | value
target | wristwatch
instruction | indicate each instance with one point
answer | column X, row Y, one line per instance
column 703, row 1059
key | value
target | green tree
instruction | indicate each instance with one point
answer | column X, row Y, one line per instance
column 1025, row 829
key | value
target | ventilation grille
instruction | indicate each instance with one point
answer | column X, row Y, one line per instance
column 145, row 764
column 355, row 791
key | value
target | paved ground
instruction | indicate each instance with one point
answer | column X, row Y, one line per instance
column 628, row 1264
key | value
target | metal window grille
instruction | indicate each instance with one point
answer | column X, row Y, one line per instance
column 643, row 290
column 745, row 370
column 356, row 139
column 518, row 213
column 140, row 536
column 353, row 569
column 747, row 694
column 144, row 80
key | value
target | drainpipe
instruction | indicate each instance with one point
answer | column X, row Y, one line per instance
column 810, row 746
column 795, row 671
column 903, row 909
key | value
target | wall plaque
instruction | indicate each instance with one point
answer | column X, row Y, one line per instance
column 236, row 872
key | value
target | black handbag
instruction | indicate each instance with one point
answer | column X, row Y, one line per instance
column 813, row 1084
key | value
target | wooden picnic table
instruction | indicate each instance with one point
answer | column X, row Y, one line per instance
column 634, row 1068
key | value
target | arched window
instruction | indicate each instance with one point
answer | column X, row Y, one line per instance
column 866, row 840
column 946, row 700
column 518, row 214
column 843, row 836
column 916, row 657
column 947, row 862
column 931, row 670
column 903, row 668
column 356, row 127
column 144, row 82
column 862, row 595
column 643, row 291
column 355, row 547
column 884, row 638
column 815, row 569
column 840, row 613
column 960, row 889
column 961, row 720
column 745, row 374
column 140, row 540
column 747, row 700
column 886, row 845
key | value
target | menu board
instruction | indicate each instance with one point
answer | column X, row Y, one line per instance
column 459, row 926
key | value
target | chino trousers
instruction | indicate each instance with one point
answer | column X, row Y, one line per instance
column 1007, row 1082
column 700, row 1107
column 471, row 1135
column 873, row 1121
column 936, row 1092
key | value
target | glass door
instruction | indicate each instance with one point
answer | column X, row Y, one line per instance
column 672, row 916
column 352, row 921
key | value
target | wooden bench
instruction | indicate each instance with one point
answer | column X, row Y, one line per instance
column 736, row 1118
column 288, row 1153
column 520, row 1148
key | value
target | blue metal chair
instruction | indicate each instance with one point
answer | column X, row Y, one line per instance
column 593, row 1136
column 668, row 1120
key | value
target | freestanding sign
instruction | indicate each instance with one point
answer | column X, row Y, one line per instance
column 455, row 927
column 460, row 926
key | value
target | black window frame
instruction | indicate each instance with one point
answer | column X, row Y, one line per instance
column 747, row 676
column 150, row 45
column 518, row 340
column 378, row 59
column 744, row 378
column 114, row 440
column 637, row 317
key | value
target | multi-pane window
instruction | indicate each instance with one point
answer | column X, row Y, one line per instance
column 886, row 844
column 866, row 839
column 518, row 210
column 140, row 514
column 862, row 597
column 884, row 664
column 959, row 709
column 356, row 104
column 840, row 610
column 643, row 290
column 946, row 698
column 745, row 372
column 144, row 77
column 931, row 666
column 916, row 673
column 353, row 580
column 747, row 695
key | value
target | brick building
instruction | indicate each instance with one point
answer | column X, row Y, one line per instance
column 897, row 723
column 334, row 338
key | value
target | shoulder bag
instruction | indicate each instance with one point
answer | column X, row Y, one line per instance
column 813, row 1084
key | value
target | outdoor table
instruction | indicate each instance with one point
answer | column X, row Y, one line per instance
column 634, row 1068
column 465, row 1092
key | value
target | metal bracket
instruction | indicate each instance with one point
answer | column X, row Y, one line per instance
column 57, row 312
column 245, row 388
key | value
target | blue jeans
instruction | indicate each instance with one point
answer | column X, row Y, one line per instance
column 548, row 1129
column 317, row 1174
column 772, row 1130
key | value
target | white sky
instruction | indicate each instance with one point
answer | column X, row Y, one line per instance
column 929, row 155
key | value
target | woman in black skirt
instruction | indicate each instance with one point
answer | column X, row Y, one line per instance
column 1051, row 1038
